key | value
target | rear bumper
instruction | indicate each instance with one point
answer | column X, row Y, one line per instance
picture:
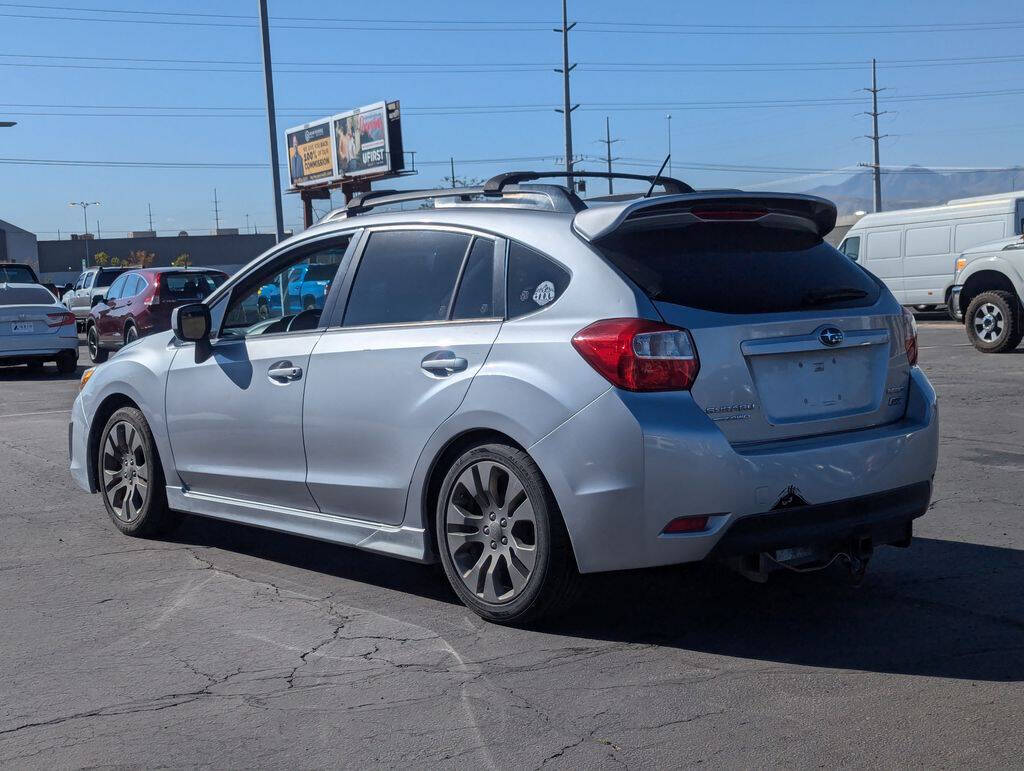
column 627, row 464
column 39, row 348
column 954, row 302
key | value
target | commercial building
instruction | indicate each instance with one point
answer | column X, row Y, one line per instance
column 61, row 261
column 18, row 245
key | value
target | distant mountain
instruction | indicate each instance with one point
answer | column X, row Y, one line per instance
column 917, row 186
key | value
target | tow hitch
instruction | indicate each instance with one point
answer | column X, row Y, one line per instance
column 855, row 554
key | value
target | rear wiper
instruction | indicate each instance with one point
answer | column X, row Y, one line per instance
column 822, row 296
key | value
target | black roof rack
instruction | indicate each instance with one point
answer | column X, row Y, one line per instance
column 496, row 184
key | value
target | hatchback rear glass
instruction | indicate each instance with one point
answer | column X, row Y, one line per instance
column 740, row 268
column 190, row 286
column 26, row 295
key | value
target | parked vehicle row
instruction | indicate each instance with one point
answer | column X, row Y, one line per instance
column 525, row 386
column 92, row 283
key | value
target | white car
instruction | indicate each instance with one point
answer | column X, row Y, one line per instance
column 35, row 328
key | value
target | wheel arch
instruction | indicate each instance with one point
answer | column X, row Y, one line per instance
column 438, row 469
column 986, row 280
column 110, row 404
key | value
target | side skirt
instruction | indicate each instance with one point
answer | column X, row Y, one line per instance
column 394, row 540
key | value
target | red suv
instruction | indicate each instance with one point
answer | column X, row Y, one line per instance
column 140, row 302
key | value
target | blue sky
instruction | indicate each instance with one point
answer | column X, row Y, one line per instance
column 93, row 110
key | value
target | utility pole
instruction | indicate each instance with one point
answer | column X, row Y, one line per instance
column 874, row 136
column 85, row 218
column 608, row 142
column 452, row 159
column 268, row 79
column 216, row 212
column 150, row 207
column 567, row 107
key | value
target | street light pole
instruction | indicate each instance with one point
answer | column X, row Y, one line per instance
column 268, row 78
column 85, row 219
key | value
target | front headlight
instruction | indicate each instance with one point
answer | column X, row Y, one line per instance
column 85, row 378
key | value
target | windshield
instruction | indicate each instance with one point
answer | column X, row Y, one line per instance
column 16, row 274
column 740, row 268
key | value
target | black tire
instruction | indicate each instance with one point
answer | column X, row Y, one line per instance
column 67, row 362
column 994, row 322
column 131, row 334
column 263, row 310
column 553, row 582
column 121, row 463
column 97, row 353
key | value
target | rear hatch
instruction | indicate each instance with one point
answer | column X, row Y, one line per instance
column 794, row 339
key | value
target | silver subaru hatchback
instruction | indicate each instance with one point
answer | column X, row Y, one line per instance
column 526, row 386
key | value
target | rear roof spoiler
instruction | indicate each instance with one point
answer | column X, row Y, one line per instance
column 817, row 214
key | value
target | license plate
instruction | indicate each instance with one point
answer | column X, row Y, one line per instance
column 794, row 555
column 22, row 327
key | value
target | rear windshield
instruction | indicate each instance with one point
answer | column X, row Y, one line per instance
column 740, row 268
column 190, row 286
column 320, row 272
column 26, row 295
column 106, row 276
column 16, row 274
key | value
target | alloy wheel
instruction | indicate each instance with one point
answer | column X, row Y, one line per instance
column 989, row 323
column 491, row 531
column 131, row 335
column 94, row 342
column 126, row 471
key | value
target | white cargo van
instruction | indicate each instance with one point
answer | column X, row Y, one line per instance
column 914, row 251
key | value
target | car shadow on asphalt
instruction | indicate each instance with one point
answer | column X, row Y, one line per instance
column 48, row 373
column 939, row 609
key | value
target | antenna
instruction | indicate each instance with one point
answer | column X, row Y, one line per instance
column 658, row 176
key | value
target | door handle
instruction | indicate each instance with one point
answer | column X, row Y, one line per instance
column 443, row 363
column 284, row 372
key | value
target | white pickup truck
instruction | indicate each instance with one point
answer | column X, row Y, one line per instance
column 987, row 289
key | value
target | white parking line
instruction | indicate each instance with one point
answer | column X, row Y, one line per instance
column 29, row 414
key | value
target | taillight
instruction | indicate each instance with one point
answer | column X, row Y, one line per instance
column 60, row 319
column 910, row 336
column 640, row 355
column 687, row 525
column 154, row 297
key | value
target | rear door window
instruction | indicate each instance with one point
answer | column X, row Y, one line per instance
column 533, row 280
column 406, row 276
column 740, row 268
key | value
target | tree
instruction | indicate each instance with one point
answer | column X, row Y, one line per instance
column 183, row 260
column 462, row 182
column 101, row 258
column 140, row 259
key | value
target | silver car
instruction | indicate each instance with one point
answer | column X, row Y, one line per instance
column 35, row 328
column 526, row 386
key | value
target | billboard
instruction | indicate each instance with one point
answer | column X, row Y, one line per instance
column 310, row 158
column 363, row 142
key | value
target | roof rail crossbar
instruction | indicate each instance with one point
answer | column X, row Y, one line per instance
column 496, row 184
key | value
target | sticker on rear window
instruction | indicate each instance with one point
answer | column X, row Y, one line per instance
column 544, row 293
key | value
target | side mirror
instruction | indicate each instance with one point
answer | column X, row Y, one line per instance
column 191, row 324
column 97, row 299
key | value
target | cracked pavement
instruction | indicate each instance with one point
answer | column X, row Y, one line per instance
column 226, row 646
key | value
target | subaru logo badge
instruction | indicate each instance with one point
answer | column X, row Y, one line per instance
column 830, row 336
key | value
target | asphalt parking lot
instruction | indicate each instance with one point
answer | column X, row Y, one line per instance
column 232, row 647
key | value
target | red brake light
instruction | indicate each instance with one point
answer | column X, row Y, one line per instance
column 154, row 297
column 60, row 319
column 639, row 355
column 910, row 336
